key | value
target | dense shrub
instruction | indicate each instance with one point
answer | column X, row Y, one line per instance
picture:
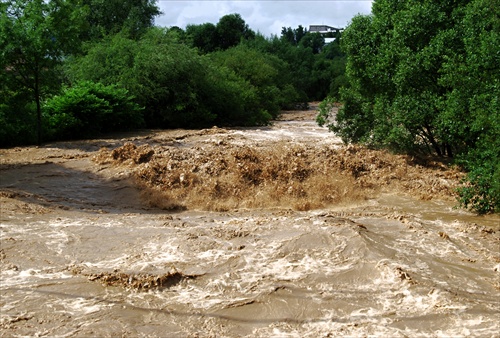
column 17, row 119
column 481, row 190
column 89, row 109
column 233, row 99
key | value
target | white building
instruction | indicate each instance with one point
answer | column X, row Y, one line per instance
column 324, row 29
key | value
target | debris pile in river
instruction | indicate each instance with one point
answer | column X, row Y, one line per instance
column 140, row 281
column 222, row 176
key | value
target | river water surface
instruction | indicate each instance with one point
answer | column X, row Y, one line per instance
column 82, row 257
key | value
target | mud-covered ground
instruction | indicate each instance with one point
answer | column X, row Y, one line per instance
column 274, row 231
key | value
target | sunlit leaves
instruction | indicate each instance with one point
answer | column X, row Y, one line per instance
column 424, row 77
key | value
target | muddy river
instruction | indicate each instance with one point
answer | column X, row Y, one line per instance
column 84, row 254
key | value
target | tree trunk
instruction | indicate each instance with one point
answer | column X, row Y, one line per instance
column 449, row 150
column 38, row 107
column 428, row 134
column 434, row 143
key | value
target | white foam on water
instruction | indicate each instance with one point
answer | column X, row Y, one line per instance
column 164, row 252
column 308, row 131
column 213, row 256
column 115, row 263
column 280, row 269
column 478, row 326
column 260, row 271
column 198, row 297
column 426, row 245
column 13, row 230
column 368, row 322
column 12, row 278
column 66, row 222
column 333, row 326
column 57, row 241
column 11, row 308
column 367, row 314
column 388, row 276
column 78, row 307
column 396, row 294
column 278, row 333
column 100, row 222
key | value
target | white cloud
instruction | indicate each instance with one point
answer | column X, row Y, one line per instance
column 268, row 17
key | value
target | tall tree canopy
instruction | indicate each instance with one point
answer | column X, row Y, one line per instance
column 105, row 17
column 424, row 77
column 293, row 36
column 228, row 32
column 35, row 36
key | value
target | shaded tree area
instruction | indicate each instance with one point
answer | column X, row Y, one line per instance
column 176, row 86
column 71, row 70
column 134, row 17
column 35, row 36
column 423, row 77
column 37, row 41
column 315, row 66
column 228, row 32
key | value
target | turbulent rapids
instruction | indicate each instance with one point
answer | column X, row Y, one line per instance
column 276, row 231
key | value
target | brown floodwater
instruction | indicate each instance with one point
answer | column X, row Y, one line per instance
column 82, row 256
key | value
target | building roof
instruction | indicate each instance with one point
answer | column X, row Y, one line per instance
column 323, row 28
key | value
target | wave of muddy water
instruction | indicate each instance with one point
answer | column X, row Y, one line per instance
column 82, row 255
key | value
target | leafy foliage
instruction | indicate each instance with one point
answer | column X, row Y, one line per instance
column 177, row 86
column 264, row 72
column 229, row 32
column 423, row 77
column 161, row 74
column 89, row 109
column 222, row 73
column 481, row 191
column 133, row 17
column 35, row 35
column 17, row 128
column 316, row 68
column 293, row 36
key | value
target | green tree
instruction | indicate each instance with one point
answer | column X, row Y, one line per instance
column 470, row 115
column 231, row 29
column 394, row 62
column 176, row 85
column 316, row 69
column 161, row 73
column 314, row 41
column 203, row 37
column 17, row 116
column 35, row 37
column 108, row 17
column 293, row 36
column 423, row 77
column 266, row 72
column 300, row 61
column 229, row 32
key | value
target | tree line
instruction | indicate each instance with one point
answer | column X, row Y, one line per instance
column 418, row 77
column 424, row 77
column 70, row 70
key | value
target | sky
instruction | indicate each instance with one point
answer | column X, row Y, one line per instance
column 265, row 16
